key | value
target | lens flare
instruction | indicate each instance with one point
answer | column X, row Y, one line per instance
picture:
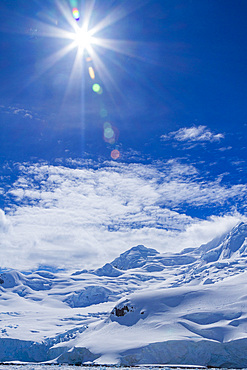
column 115, row 154
column 91, row 73
column 97, row 88
column 103, row 113
column 84, row 41
column 109, row 133
column 73, row 3
column 107, row 125
column 76, row 14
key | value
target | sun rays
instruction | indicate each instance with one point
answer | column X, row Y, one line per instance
column 81, row 33
column 79, row 44
column 77, row 37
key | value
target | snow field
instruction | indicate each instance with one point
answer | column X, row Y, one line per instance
column 142, row 308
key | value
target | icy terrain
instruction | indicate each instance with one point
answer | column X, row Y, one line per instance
column 142, row 308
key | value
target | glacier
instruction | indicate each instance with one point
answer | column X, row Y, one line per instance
column 144, row 307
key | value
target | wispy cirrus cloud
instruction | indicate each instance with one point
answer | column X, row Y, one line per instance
column 75, row 218
column 19, row 111
column 198, row 134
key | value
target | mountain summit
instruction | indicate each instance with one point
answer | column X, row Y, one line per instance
column 134, row 257
column 233, row 244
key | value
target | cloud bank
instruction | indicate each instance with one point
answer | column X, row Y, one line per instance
column 84, row 217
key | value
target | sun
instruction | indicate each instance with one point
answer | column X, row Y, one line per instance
column 82, row 39
column 77, row 39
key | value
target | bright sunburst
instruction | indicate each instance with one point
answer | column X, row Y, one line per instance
column 75, row 29
column 84, row 36
column 82, row 39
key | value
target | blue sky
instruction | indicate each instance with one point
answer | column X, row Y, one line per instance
column 172, row 105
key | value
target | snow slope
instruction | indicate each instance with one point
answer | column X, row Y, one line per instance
column 143, row 307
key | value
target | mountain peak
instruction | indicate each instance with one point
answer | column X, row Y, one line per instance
column 224, row 247
column 235, row 241
column 134, row 257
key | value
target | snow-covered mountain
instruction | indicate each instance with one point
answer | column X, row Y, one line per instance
column 143, row 307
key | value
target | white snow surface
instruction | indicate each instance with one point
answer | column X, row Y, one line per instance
column 144, row 307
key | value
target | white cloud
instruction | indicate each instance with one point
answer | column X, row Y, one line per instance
column 4, row 222
column 21, row 112
column 223, row 149
column 203, row 231
column 193, row 134
column 78, row 218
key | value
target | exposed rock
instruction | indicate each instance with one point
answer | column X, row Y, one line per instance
column 120, row 311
